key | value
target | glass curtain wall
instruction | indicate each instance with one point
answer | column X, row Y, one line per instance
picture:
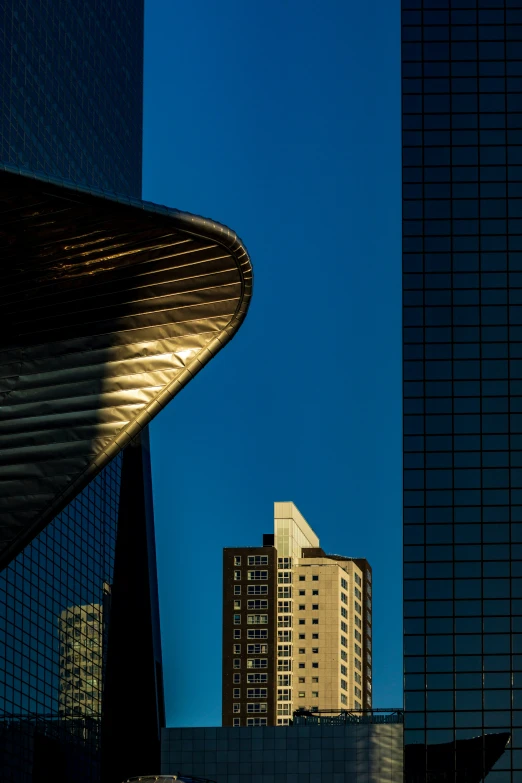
column 71, row 89
column 54, row 617
column 462, row 263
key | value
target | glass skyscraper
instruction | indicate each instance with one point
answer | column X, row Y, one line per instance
column 462, row 262
column 80, row 662
column 71, row 90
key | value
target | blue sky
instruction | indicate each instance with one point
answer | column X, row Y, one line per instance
column 281, row 119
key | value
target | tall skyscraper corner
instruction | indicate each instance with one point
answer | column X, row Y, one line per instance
column 462, row 339
column 104, row 325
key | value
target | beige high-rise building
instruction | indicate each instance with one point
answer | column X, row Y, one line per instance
column 316, row 627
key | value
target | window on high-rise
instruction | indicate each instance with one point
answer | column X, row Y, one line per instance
column 257, row 663
column 257, row 589
column 257, row 633
column 256, row 693
column 257, row 619
column 257, row 649
column 257, row 560
column 257, row 603
column 257, row 677
column 257, row 575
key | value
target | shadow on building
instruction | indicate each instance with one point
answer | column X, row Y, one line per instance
column 462, row 761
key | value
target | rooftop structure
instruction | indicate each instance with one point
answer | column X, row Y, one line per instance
column 303, row 717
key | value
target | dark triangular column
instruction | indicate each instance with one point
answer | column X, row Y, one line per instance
column 133, row 708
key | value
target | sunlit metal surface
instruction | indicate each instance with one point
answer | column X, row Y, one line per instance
column 108, row 308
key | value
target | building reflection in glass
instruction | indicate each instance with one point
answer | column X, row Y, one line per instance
column 54, row 607
column 81, row 660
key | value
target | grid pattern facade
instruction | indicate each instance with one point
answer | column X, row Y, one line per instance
column 51, row 672
column 248, row 636
column 328, row 661
column 286, row 754
column 462, row 263
column 71, row 90
column 291, row 534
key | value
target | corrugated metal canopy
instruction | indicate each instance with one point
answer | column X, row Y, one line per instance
column 107, row 308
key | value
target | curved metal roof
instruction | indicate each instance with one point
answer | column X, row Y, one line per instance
column 108, row 308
